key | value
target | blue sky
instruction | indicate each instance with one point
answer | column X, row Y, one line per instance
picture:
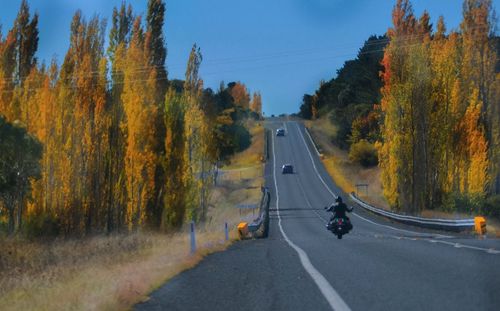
column 282, row 48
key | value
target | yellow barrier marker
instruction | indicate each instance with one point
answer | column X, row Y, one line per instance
column 243, row 229
column 480, row 225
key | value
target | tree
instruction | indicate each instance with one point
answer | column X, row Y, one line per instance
column 352, row 94
column 140, row 110
column 8, row 47
column 119, row 38
column 174, row 162
column 156, row 53
column 478, row 68
column 19, row 165
column 438, row 140
column 195, row 133
column 256, row 105
column 121, row 24
column 155, row 41
column 26, row 31
column 240, row 95
column 396, row 131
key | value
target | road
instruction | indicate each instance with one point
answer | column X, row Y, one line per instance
column 301, row 266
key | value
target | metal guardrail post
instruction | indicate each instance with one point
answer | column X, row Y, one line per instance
column 226, row 231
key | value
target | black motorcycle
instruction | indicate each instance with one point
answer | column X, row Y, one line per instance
column 339, row 226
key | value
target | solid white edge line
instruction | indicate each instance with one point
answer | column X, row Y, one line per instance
column 401, row 230
column 312, row 141
column 328, row 188
column 331, row 296
column 488, row 250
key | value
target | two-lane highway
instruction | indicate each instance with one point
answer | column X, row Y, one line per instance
column 302, row 266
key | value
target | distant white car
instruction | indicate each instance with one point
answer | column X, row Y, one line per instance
column 287, row 169
column 280, row 132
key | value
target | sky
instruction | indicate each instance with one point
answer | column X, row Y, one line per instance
column 282, row 48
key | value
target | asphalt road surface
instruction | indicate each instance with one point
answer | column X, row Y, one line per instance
column 301, row 266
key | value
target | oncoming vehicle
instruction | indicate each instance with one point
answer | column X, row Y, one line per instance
column 287, row 169
column 280, row 132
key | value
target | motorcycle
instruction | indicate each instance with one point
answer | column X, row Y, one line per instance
column 339, row 227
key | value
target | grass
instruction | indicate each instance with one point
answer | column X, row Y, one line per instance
column 254, row 154
column 346, row 174
column 100, row 273
column 118, row 271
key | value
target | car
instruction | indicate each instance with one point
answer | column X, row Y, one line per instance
column 287, row 169
column 280, row 132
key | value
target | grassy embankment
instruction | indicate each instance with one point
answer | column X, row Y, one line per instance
column 115, row 272
column 347, row 174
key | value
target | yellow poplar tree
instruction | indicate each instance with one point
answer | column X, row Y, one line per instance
column 140, row 111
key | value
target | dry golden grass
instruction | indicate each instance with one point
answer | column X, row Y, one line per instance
column 346, row 174
column 100, row 273
column 115, row 272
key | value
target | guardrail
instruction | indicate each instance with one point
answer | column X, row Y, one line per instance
column 259, row 228
column 267, row 132
column 432, row 223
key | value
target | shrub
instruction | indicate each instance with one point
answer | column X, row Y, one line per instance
column 491, row 206
column 463, row 203
column 242, row 138
column 363, row 153
column 43, row 225
column 473, row 204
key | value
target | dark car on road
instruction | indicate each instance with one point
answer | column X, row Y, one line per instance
column 287, row 169
column 280, row 132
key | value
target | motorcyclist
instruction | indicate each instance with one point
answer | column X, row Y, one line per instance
column 339, row 210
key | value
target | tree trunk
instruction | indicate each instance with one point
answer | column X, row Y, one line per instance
column 10, row 208
column 19, row 215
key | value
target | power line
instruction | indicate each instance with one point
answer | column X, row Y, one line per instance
column 236, row 60
column 144, row 69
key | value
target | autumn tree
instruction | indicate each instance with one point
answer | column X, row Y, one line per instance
column 394, row 154
column 438, row 140
column 156, row 53
column 195, row 132
column 256, row 104
column 18, row 59
column 119, row 38
column 92, row 155
column 240, row 95
column 140, row 110
column 174, row 162
column 26, row 33
column 478, row 71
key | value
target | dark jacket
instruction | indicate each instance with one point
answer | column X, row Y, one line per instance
column 339, row 210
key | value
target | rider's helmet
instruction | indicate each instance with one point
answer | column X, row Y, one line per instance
column 338, row 199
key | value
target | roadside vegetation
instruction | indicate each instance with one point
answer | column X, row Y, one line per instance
column 417, row 113
column 118, row 270
column 104, row 161
column 344, row 171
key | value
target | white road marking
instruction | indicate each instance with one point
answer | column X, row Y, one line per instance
column 331, row 296
column 310, row 138
column 333, row 194
column 401, row 230
column 488, row 250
